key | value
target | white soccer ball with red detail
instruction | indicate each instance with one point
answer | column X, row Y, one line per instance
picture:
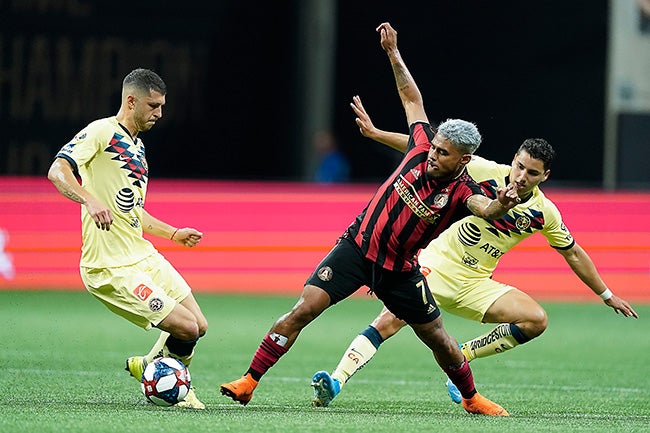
column 166, row 381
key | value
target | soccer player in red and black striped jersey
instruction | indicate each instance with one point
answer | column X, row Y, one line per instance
column 428, row 192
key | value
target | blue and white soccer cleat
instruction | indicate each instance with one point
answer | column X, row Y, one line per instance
column 325, row 389
column 453, row 391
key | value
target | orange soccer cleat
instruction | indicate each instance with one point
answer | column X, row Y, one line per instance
column 483, row 406
column 240, row 390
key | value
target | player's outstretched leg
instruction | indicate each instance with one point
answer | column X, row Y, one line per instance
column 325, row 389
column 135, row 365
column 454, row 392
column 483, row 406
column 240, row 390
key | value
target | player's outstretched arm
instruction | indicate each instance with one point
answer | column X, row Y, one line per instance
column 395, row 140
column 408, row 90
column 584, row 268
column 184, row 236
column 483, row 207
column 62, row 176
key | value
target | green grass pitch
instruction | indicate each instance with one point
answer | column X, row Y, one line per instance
column 62, row 358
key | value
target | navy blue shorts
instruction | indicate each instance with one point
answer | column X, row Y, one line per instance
column 344, row 270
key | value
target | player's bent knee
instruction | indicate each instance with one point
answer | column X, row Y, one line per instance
column 203, row 329
column 539, row 323
column 186, row 331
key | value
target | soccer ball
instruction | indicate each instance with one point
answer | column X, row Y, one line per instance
column 165, row 381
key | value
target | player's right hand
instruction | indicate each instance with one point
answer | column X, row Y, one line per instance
column 101, row 214
column 366, row 126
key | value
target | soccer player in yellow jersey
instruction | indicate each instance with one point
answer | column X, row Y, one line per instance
column 118, row 265
column 459, row 263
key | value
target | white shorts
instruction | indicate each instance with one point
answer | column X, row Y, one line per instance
column 143, row 293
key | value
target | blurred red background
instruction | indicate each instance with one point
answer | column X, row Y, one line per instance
column 268, row 237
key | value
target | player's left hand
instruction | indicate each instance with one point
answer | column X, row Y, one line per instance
column 388, row 37
column 621, row 306
column 187, row 236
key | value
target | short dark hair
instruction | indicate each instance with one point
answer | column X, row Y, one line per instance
column 538, row 148
column 146, row 80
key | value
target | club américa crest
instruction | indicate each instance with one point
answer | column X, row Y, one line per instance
column 522, row 222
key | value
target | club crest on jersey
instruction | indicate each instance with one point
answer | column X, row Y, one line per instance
column 325, row 273
column 156, row 304
column 522, row 223
column 440, row 200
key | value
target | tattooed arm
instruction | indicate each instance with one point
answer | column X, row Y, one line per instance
column 408, row 90
column 62, row 176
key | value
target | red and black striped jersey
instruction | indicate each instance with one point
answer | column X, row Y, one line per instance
column 410, row 208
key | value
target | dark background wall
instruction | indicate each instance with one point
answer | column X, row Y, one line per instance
column 517, row 69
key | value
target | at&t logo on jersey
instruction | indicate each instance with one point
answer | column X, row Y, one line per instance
column 469, row 234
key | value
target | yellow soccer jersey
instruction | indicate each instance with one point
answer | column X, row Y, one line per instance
column 113, row 168
column 472, row 247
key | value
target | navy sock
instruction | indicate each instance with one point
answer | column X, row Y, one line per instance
column 373, row 335
column 518, row 334
column 180, row 347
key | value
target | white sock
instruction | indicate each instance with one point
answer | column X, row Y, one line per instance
column 358, row 354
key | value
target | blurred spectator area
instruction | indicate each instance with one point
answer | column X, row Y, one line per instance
column 251, row 82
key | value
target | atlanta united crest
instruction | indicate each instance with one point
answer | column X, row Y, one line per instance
column 440, row 200
column 325, row 273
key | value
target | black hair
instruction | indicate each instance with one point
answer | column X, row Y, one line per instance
column 538, row 148
column 146, row 80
